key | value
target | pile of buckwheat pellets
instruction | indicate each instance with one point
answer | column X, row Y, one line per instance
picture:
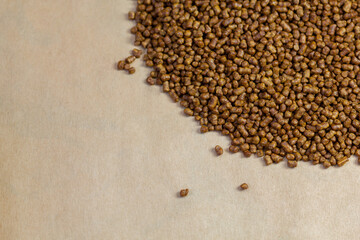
column 280, row 77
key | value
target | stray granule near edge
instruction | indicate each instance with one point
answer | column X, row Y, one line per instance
column 184, row 192
column 219, row 151
column 244, row 186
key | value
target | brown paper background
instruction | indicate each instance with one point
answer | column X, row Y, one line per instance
column 88, row 152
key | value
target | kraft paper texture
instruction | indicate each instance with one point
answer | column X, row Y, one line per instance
column 88, row 152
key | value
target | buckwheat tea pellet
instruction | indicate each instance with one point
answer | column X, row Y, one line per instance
column 130, row 59
column 279, row 77
column 184, row 192
column 136, row 52
column 131, row 70
column 244, row 186
column 219, row 150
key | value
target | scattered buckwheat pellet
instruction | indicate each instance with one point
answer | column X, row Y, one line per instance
column 326, row 164
column 204, row 129
column 277, row 76
column 136, row 52
column 291, row 164
column 342, row 161
column 184, row 192
column 121, row 65
column 150, row 80
column 131, row 15
column 247, row 153
column 268, row 160
column 219, row 151
column 131, row 70
column 234, row 149
column 244, row 186
column 188, row 111
column 127, row 66
column 130, row 59
column 347, row 6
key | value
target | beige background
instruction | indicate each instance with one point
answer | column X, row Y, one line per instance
column 88, row 152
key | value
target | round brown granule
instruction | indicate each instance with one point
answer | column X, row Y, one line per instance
column 131, row 15
column 326, row 164
column 137, row 52
column 292, row 164
column 204, row 129
column 150, row 81
column 131, row 70
column 184, row 192
column 121, row 65
column 244, row 186
column 127, row 66
column 234, row 149
column 130, row 59
column 219, row 150
column 247, row 153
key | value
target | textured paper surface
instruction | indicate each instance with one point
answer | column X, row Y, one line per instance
column 88, row 152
